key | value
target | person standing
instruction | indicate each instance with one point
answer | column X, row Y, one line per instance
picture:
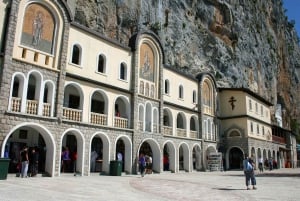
column 248, row 166
column 24, row 162
column 34, row 161
column 142, row 164
column 66, row 160
column 260, row 164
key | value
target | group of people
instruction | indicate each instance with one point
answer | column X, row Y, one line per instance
column 145, row 164
column 267, row 163
column 28, row 161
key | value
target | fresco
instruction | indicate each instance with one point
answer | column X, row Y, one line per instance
column 38, row 28
column 147, row 63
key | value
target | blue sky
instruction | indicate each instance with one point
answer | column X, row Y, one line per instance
column 293, row 12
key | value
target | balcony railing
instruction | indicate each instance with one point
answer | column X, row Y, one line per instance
column 167, row 130
column 16, row 104
column 278, row 139
column 121, row 122
column 72, row 114
column 97, row 118
column 180, row 132
column 46, row 109
column 193, row 134
column 207, row 109
column 32, row 107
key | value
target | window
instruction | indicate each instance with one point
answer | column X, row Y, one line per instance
column 262, row 110
column 76, row 54
column 123, row 71
column 101, row 64
column 181, row 92
column 251, row 127
column 194, row 96
column 250, row 105
column 256, row 108
column 167, row 87
column 257, row 128
column 263, row 130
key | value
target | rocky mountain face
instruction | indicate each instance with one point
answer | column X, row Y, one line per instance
column 244, row 43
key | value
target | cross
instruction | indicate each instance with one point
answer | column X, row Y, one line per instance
column 231, row 101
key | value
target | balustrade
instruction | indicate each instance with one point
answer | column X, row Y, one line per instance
column 121, row 122
column 16, row 104
column 193, row 134
column 46, row 109
column 181, row 132
column 97, row 118
column 167, row 130
column 72, row 114
column 32, row 107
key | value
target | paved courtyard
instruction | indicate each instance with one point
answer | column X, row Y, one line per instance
column 279, row 185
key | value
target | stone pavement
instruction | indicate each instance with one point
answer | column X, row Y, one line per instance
column 278, row 185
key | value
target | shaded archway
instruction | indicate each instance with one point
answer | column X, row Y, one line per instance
column 184, row 157
column 74, row 141
column 31, row 135
column 196, row 157
column 99, row 150
column 169, row 156
column 235, row 158
column 124, row 146
column 150, row 147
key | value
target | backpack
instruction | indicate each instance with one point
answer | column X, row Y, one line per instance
column 247, row 165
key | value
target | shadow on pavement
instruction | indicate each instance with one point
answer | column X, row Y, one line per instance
column 229, row 189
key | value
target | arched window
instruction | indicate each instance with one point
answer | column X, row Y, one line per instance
column 181, row 92
column 167, row 86
column 76, row 55
column 101, row 64
column 194, row 96
column 123, row 71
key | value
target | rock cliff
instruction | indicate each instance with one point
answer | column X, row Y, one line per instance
column 244, row 43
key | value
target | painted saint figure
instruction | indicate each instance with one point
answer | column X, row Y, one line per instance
column 37, row 28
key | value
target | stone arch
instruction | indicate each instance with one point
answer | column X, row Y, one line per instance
column 34, row 92
column 181, row 120
column 48, row 96
column 80, row 148
column 184, row 157
column 49, row 141
column 169, row 151
column 105, row 151
column 124, row 107
column 141, row 117
column 103, row 96
column 196, row 157
column 127, row 155
column 156, row 153
column 79, row 92
column 235, row 156
column 168, row 117
column 17, row 92
column 148, row 117
column 155, row 120
column 232, row 133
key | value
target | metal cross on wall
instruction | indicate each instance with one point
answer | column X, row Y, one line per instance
column 231, row 101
